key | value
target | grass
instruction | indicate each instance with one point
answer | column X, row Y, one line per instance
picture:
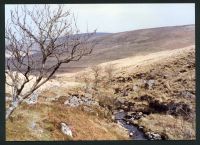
column 85, row 126
column 172, row 76
column 173, row 128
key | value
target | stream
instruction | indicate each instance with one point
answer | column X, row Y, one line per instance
column 137, row 134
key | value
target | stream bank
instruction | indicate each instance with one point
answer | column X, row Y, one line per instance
column 135, row 132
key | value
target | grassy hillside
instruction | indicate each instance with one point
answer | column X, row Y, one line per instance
column 133, row 43
column 169, row 102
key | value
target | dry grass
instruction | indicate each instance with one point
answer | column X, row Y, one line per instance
column 173, row 128
column 85, row 126
column 96, row 125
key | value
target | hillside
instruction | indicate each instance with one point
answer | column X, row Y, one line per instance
column 150, row 93
column 171, row 95
column 114, row 46
column 132, row 43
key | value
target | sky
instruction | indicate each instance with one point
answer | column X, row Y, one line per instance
column 114, row 18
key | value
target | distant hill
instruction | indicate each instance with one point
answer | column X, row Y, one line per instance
column 113, row 46
column 132, row 43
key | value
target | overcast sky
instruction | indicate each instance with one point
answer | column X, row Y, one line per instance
column 126, row 17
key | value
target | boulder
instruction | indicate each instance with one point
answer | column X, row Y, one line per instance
column 153, row 136
column 66, row 130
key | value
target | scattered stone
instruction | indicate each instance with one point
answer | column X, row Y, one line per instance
column 8, row 98
column 120, row 100
column 66, row 130
column 140, row 113
column 187, row 94
column 113, row 117
column 121, row 79
column 140, row 127
column 33, row 125
column 148, row 84
column 135, row 88
column 153, row 136
column 32, row 99
column 75, row 101
column 134, row 115
column 131, row 134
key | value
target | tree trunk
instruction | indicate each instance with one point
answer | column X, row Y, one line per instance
column 13, row 106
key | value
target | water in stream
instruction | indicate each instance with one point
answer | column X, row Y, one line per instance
column 137, row 134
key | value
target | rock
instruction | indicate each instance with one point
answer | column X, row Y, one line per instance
column 130, row 113
column 140, row 127
column 33, row 125
column 153, row 136
column 113, row 117
column 66, row 130
column 157, row 136
column 148, row 84
column 126, row 108
column 119, row 123
column 140, row 113
column 125, row 93
column 187, row 94
column 75, row 101
column 131, row 134
column 8, row 98
column 32, row 99
column 120, row 100
column 121, row 79
column 135, row 88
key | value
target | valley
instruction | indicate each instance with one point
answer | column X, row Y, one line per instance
column 145, row 90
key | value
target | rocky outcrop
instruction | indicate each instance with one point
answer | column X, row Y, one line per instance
column 153, row 136
column 77, row 100
column 135, row 115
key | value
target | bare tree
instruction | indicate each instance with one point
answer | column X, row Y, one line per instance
column 38, row 42
column 84, row 78
column 96, row 70
column 109, row 69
